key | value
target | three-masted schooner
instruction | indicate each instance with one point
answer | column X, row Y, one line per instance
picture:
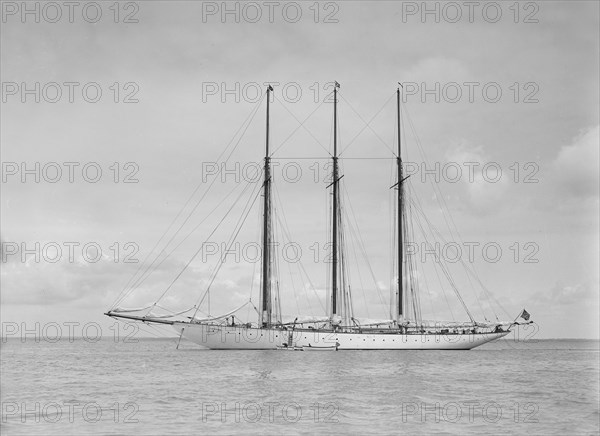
column 337, row 330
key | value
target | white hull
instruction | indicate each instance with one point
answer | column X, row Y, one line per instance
column 220, row 337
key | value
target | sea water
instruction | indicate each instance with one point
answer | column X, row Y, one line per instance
column 149, row 387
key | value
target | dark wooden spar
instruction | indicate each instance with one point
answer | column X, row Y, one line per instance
column 266, row 308
column 400, row 311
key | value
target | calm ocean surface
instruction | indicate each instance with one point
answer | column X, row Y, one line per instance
column 150, row 388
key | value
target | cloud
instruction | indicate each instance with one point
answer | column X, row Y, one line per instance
column 485, row 180
column 441, row 69
column 75, row 283
column 561, row 294
column 576, row 168
column 32, row 281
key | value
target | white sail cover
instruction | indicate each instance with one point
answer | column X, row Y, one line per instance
column 453, row 324
column 336, row 320
column 305, row 320
column 372, row 321
column 215, row 318
column 152, row 315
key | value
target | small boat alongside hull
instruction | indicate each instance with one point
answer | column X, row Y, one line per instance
column 286, row 348
column 326, row 348
column 220, row 337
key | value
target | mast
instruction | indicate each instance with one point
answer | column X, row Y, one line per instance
column 266, row 242
column 334, row 236
column 400, row 311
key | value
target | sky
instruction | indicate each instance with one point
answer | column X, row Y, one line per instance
column 112, row 117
